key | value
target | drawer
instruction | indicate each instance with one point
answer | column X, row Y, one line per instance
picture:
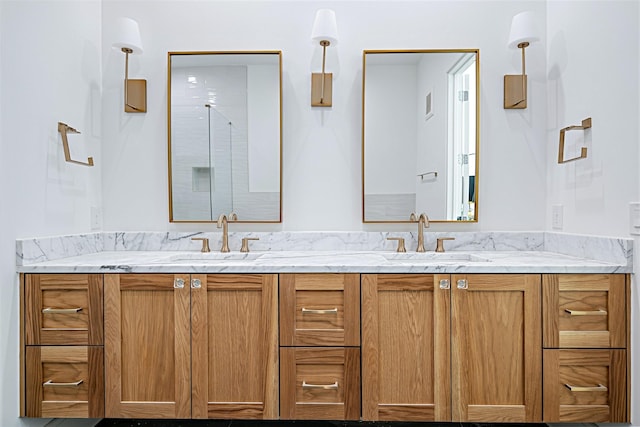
column 319, row 310
column 585, row 386
column 63, row 309
column 64, row 382
column 320, row 383
column 584, row 311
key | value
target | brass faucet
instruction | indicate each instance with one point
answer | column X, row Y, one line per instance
column 423, row 221
column 223, row 222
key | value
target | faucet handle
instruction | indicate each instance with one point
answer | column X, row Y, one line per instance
column 400, row 240
column 205, row 243
column 245, row 243
column 440, row 245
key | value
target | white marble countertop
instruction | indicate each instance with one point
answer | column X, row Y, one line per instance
column 324, row 262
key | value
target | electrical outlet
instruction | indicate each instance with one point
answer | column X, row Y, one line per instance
column 634, row 218
column 556, row 217
column 96, row 218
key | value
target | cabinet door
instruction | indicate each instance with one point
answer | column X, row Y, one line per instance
column 63, row 309
column 147, row 346
column 319, row 309
column 496, row 348
column 584, row 311
column 405, row 347
column 65, row 381
column 235, row 346
column 585, row 386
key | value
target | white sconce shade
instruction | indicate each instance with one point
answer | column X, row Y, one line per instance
column 128, row 35
column 523, row 29
column 325, row 27
column 325, row 32
column 128, row 40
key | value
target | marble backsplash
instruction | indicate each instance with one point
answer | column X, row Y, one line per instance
column 608, row 249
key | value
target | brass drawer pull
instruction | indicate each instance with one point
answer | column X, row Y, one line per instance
column 61, row 310
column 599, row 387
column 599, row 312
column 322, row 386
column 311, row 311
column 52, row 384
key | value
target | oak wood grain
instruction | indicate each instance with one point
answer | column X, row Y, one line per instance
column 496, row 352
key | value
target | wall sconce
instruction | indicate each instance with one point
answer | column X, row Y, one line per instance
column 325, row 31
column 128, row 40
column 523, row 32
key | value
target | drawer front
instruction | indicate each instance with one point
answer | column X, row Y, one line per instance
column 584, row 311
column 63, row 309
column 64, row 382
column 585, row 386
column 320, row 383
column 319, row 310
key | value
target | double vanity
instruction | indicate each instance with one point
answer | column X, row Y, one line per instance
column 503, row 327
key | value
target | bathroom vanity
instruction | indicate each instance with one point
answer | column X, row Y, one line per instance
column 485, row 336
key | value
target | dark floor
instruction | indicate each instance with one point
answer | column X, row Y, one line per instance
column 246, row 423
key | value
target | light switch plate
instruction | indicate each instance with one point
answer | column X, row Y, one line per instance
column 634, row 218
column 556, row 217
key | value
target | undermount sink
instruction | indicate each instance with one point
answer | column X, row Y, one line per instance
column 216, row 256
column 434, row 257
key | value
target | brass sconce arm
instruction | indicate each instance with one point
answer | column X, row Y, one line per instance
column 515, row 86
column 135, row 90
column 65, row 129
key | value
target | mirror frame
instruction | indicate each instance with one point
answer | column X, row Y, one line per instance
column 230, row 52
column 477, row 156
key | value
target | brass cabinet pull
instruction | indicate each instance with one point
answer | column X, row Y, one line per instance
column 322, row 386
column 312, row 311
column 444, row 284
column 599, row 387
column 463, row 284
column 61, row 310
column 50, row 383
column 178, row 283
column 599, row 312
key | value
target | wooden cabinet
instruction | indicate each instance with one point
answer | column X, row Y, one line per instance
column 235, row 346
column 320, row 346
column 177, row 342
column 585, row 338
column 495, row 348
column 62, row 368
column 405, row 347
column 492, row 352
column 377, row 347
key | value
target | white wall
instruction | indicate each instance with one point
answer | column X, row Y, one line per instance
column 321, row 157
column 51, row 71
column 593, row 72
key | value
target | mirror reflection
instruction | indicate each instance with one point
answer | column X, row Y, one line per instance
column 420, row 135
column 225, row 136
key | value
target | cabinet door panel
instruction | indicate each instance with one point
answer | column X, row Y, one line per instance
column 585, row 386
column 148, row 346
column 584, row 311
column 63, row 309
column 496, row 352
column 320, row 383
column 405, row 348
column 235, row 346
column 65, row 381
column 319, row 310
